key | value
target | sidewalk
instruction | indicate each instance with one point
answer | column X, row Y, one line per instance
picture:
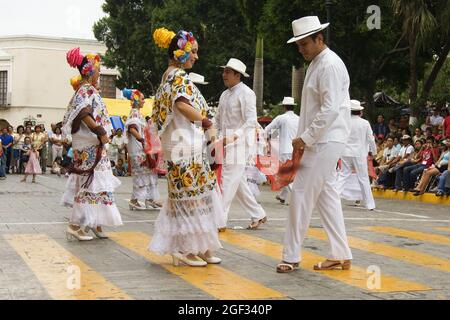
column 398, row 195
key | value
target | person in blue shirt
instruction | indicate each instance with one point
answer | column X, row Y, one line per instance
column 2, row 161
column 380, row 129
column 7, row 141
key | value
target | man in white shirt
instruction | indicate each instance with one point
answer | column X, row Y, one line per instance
column 118, row 144
column 286, row 125
column 390, row 153
column 359, row 143
column 324, row 127
column 436, row 119
column 236, row 121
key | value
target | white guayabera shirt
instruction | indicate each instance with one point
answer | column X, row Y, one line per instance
column 287, row 124
column 237, row 111
column 325, row 108
column 361, row 139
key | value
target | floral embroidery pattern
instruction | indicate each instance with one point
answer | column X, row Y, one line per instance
column 85, row 158
column 103, row 198
column 189, row 179
column 177, row 85
column 85, row 96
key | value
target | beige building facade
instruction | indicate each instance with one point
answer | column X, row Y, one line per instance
column 35, row 78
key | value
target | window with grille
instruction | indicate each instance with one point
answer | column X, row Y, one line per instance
column 108, row 86
column 3, row 88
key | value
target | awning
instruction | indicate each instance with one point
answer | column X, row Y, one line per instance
column 122, row 107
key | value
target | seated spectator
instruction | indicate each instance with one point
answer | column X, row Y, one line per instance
column 446, row 124
column 392, row 126
column 435, row 119
column 428, row 156
column 436, row 134
column 418, row 135
column 380, row 150
column 397, row 143
column 120, row 169
column 441, row 190
column 434, row 170
column 414, row 160
column 404, row 157
column 390, row 154
column 380, row 129
column 67, row 161
column 428, row 132
column 57, row 167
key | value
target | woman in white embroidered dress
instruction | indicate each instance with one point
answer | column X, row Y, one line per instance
column 145, row 179
column 91, row 183
column 187, row 224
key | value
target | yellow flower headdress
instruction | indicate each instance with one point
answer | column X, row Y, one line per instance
column 164, row 37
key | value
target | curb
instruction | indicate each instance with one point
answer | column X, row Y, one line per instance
column 426, row 197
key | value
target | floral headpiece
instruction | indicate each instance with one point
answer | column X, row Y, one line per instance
column 132, row 95
column 163, row 38
column 75, row 60
column 76, row 82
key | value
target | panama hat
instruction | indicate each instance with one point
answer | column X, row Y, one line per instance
column 197, row 78
column 237, row 65
column 355, row 105
column 288, row 101
column 406, row 137
column 306, row 26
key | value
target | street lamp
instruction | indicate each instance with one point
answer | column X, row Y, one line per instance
column 327, row 6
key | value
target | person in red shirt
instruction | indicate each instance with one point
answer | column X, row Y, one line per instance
column 428, row 156
column 446, row 126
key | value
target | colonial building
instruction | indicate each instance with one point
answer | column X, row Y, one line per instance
column 34, row 78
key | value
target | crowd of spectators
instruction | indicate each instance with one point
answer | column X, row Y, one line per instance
column 413, row 159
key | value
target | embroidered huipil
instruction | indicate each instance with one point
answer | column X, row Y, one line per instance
column 94, row 204
column 190, row 216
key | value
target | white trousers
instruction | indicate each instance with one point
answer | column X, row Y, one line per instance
column 286, row 191
column 359, row 164
column 234, row 184
column 57, row 151
column 314, row 187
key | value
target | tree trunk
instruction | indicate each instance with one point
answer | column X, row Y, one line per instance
column 412, row 69
column 258, row 75
column 298, row 78
column 434, row 72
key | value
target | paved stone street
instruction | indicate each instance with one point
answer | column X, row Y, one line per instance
column 401, row 251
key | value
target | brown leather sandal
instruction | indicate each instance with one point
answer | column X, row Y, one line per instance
column 333, row 265
column 255, row 224
column 287, row 267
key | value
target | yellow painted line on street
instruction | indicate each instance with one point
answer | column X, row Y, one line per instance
column 410, row 256
column 426, row 197
column 443, row 228
column 213, row 279
column 57, row 270
column 421, row 236
column 357, row 276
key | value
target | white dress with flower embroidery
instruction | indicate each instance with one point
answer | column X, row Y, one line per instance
column 145, row 181
column 193, row 212
column 93, row 204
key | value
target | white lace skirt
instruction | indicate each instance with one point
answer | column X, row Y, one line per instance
column 95, row 205
column 189, row 225
column 145, row 186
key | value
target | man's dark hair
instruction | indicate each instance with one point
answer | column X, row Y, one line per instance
column 315, row 35
column 289, row 107
column 431, row 138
